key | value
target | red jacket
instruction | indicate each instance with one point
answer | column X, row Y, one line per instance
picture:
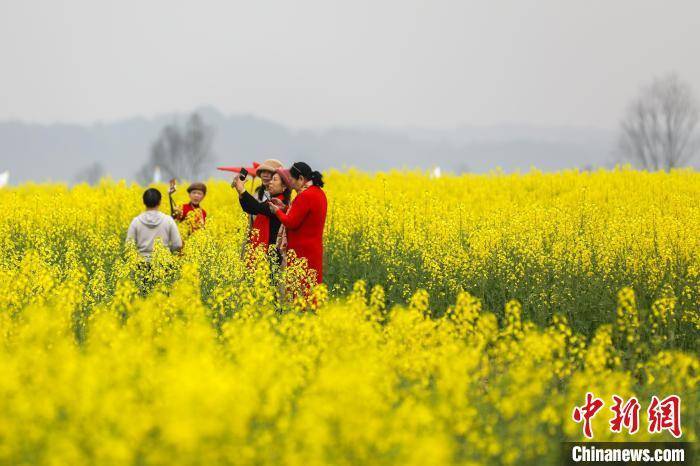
column 265, row 222
column 304, row 222
column 187, row 208
column 262, row 225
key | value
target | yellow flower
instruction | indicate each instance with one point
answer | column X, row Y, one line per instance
column 461, row 335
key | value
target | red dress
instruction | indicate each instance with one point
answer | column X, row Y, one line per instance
column 304, row 222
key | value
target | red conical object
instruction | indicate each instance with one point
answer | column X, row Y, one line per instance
column 252, row 171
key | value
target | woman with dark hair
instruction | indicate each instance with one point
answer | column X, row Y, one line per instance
column 265, row 224
column 257, row 222
column 306, row 217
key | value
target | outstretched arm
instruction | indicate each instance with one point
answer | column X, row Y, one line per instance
column 174, row 212
column 250, row 205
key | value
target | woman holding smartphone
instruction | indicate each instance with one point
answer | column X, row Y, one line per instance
column 305, row 219
column 265, row 222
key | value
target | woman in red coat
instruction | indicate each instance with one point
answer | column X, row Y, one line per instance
column 306, row 217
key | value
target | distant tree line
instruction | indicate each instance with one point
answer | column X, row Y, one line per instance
column 659, row 131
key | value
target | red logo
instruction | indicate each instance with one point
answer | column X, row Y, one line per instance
column 665, row 415
column 586, row 412
column 626, row 415
column 662, row 414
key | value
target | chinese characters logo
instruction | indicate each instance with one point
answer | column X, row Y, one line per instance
column 661, row 415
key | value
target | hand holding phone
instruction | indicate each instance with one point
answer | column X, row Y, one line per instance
column 277, row 202
column 242, row 175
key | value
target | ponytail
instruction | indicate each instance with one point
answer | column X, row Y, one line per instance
column 302, row 169
column 317, row 179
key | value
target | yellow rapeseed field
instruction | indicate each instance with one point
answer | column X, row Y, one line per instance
column 462, row 320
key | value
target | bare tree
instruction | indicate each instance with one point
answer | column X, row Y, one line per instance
column 183, row 153
column 462, row 168
column 659, row 129
column 91, row 174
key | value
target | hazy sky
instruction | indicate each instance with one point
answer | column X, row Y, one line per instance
column 320, row 63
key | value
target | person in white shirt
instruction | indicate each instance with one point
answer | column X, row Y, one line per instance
column 152, row 224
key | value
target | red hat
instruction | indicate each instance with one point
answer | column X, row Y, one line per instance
column 285, row 175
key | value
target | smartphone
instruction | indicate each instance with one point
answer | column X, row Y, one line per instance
column 243, row 174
